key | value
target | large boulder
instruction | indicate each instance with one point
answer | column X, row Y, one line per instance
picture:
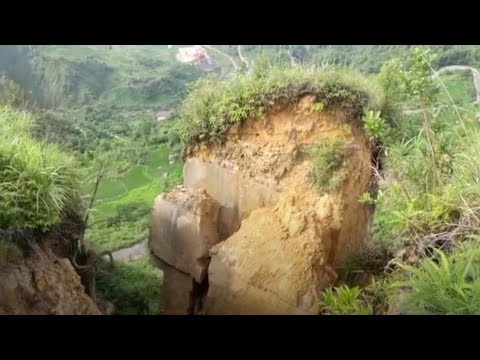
column 184, row 228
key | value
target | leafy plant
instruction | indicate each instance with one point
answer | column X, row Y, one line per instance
column 367, row 198
column 318, row 106
column 448, row 284
column 344, row 300
column 375, row 126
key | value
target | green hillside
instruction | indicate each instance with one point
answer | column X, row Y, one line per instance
column 75, row 75
column 90, row 110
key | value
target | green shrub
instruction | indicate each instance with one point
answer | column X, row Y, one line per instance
column 367, row 198
column 318, row 106
column 448, row 284
column 371, row 299
column 375, row 126
column 409, row 203
column 39, row 184
column 213, row 105
column 344, row 300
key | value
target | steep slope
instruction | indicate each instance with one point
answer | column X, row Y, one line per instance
column 43, row 284
column 41, row 224
column 286, row 184
column 286, row 235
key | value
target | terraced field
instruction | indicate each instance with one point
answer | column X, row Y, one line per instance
column 130, row 199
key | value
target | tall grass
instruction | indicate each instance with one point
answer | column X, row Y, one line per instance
column 408, row 201
column 38, row 183
column 432, row 156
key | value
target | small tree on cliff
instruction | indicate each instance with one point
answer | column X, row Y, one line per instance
column 417, row 83
column 261, row 65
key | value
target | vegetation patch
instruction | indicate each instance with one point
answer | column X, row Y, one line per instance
column 370, row 260
column 121, row 214
column 134, row 288
column 373, row 299
column 447, row 284
column 40, row 184
column 213, row 105
column 328, row 162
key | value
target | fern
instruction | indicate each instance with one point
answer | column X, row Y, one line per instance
column 448, row 284
column 344, row 300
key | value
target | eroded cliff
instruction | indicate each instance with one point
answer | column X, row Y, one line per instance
column 43, row 284
column 285, row 189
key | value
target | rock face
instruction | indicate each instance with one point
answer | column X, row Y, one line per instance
column 177, row 289
column 43, row 284
column 282, row 236
column 184, row 228
column 236, row 193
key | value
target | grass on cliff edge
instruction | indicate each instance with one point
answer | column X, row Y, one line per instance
column 39, row 184
column 213, row 105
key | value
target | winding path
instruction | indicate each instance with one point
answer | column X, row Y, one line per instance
column 243, row 58
column 293, row 60
column 475, row 73
column 453, row 68
column 232, row 60
column 131, row 253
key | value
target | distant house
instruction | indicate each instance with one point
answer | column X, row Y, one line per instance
column 193, row 55
column 163, row 113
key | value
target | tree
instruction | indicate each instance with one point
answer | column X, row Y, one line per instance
column 416, row 82
column 260, row 66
